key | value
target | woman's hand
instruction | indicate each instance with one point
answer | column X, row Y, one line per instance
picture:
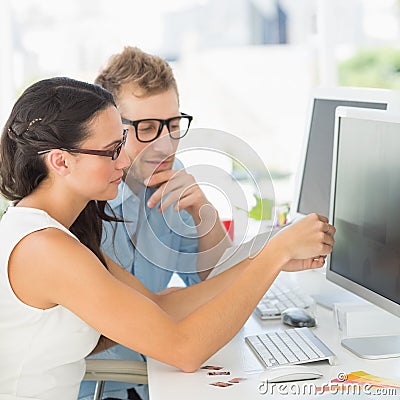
column 307, row 242
column 302, row 265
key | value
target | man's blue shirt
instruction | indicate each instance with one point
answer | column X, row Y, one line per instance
column 149, row 244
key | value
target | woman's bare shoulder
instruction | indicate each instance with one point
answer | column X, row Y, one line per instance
column 48, row 261
column 48, row 242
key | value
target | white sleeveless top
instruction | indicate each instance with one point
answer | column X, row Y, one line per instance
column 41, row 351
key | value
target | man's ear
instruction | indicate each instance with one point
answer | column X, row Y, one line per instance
column 58, row 162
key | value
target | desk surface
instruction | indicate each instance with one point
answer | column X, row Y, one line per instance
column 166, row 382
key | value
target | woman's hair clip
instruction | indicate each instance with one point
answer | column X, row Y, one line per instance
column 33, row 122
column 11, row 133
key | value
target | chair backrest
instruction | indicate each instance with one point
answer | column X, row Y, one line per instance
column 101, row 370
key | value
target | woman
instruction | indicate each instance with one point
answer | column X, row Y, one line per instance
column 62, row 157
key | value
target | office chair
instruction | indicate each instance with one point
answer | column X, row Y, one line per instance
column 114, row 370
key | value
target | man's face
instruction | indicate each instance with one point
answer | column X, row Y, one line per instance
column 158, row 155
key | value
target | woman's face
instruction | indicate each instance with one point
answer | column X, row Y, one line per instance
column 97, row 177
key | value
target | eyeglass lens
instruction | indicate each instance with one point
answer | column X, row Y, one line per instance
column 119, row 146
column 148, row 130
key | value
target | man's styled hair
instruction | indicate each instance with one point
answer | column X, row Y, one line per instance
column 145, row 74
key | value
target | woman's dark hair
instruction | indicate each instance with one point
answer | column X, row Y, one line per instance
column 50, row 114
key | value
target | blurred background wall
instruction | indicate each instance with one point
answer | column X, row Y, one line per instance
column 246, row 67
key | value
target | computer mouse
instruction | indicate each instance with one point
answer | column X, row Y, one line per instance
column 297, row 317
column 288, row 373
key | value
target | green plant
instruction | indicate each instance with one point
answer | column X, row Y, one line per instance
column 3, row 206
column 262, row 209
column 377, row 67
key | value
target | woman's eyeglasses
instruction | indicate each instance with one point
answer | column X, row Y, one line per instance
column 114, row 153
column 150, row 129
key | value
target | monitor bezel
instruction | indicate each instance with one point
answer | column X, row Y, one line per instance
column 359, row 290
column 390, row 97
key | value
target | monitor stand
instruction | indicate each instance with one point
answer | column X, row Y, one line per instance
column 374, row 347
column 328, row 299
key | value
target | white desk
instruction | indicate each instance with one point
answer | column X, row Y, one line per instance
column 166, row 382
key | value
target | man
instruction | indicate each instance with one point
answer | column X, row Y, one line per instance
column 169, row 225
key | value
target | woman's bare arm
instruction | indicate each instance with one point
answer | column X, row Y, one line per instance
column 72, row 276
column 180, row 303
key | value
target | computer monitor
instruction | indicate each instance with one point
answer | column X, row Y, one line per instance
column 364, row 208
column 313, row 178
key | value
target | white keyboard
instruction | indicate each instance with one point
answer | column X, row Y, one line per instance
column 290, row 346
column 279, row 298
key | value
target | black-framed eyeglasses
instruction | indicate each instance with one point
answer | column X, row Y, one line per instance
column 114, row 153
column 150, row 129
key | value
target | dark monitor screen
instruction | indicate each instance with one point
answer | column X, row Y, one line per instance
column 315, row 185
column 365, row 210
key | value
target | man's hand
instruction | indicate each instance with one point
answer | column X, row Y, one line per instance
column 179, row 188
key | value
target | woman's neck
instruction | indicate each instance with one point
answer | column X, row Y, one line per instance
column 63, row 208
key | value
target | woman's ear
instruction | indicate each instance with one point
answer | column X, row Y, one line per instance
column 58, row 162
